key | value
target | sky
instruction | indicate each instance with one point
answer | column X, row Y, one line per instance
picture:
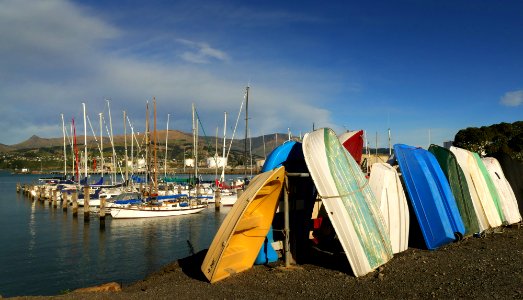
column 424, row 69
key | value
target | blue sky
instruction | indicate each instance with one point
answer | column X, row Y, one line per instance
column 412, row 66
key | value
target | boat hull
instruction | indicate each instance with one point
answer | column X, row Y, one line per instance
column 458, row 184
column 243, row 231
column 348, row 200
column 153, row 211
column 488, row 216
column 353, row 142
column 386, row 186
column 507, row 197
column 429, row 192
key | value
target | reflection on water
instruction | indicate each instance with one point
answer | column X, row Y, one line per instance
column 46, row 251
column 32, row 230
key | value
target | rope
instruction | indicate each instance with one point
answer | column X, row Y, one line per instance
column 360, row 189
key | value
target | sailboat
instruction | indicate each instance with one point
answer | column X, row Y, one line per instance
column 154, row 205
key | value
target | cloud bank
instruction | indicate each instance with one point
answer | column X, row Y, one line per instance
column 514, row 98
column 55, row 55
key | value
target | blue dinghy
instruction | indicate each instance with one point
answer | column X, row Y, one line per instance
column 290, row 155
column 430, row 196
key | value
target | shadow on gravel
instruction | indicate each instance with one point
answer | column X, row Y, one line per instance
column 336, row 260
column 191, row 265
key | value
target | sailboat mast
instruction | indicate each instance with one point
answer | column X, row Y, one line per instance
column 246, row 129
column 195, row 145
column 126, row 164
column 75, row 161
column 65, row 150
column 113, row 176
column 390, row 146
column 132, row 148
column 102, row 144
column 85, row 141
column 250, row 151
column 222, row 178
column 155, row 141
column 216, row 156
column 147, row 145
column 196, row 153
column 166, row 139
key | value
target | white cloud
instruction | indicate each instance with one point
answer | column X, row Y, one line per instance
column 201, row 52
column 514, row 98
column 53, row 56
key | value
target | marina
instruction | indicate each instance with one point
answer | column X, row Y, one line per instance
column 47, row 251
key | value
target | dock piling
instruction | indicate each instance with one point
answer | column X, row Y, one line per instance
column 217, row 199
column 64, row 201
column 102, row 207
column 55, row 198
column 74, row 195
column 86, row 203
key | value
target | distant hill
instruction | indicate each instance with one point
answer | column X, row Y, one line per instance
column 175, row 138
column 5, row 148
column 35, row 142
column 260, row 146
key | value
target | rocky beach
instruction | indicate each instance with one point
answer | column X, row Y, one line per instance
column 489, row 267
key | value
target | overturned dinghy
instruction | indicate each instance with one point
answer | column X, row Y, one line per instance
column 386, row 186
column 353, row 142
column 242, row 233
column 290, row 155
column 430, row 196
column 491, row 187
column 348, row 200
column 458, row 184
column 507, row 198
column 486, row 211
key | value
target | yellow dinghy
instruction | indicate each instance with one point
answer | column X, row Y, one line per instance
column 242, row 233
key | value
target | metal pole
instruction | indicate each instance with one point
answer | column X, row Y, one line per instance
column 286, row 229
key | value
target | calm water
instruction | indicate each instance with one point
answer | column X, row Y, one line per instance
column 45, row 251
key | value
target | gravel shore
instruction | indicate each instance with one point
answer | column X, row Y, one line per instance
column 488, row 267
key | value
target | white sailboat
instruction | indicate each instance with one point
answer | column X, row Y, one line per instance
column 155, row 206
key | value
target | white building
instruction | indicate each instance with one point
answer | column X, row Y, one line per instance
column 189, row 162
column 216, row 162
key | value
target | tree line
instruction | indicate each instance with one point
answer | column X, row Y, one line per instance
column 504, row 138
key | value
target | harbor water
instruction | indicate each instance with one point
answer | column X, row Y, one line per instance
column 45, row 251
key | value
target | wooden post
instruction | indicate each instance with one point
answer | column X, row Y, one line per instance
column 64, row 201
column 86, row 203
column 217, row 199
column 55, row 198
column 102, row 207
column 286, row 229
column 75, row 203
